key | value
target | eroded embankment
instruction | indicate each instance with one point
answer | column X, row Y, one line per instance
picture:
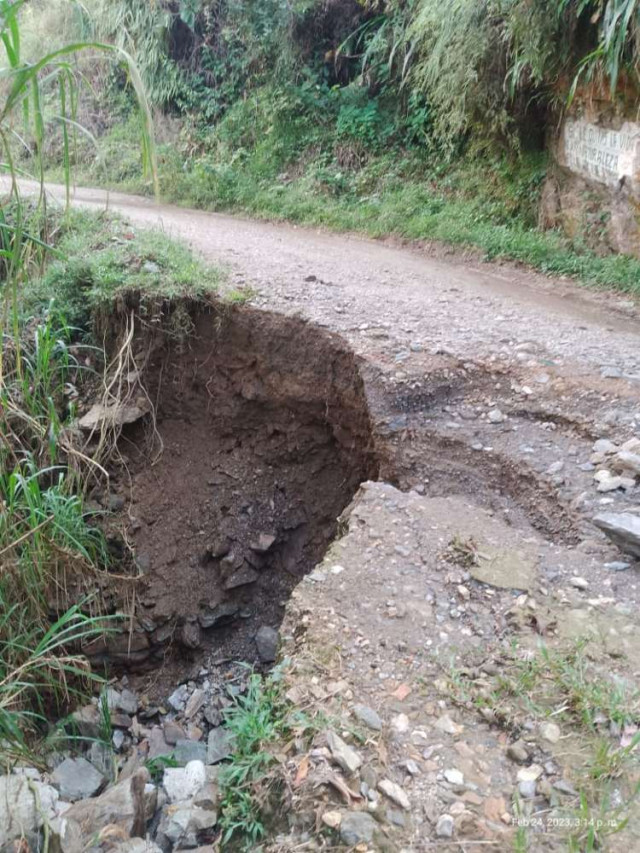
column 261, row 437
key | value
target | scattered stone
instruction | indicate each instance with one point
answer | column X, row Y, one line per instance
column 494, row 808
column 603, row 445
column 221, row 614
column 550, row 732
column 530, row 773
column 565, row 787
column 242, row 577
column 190, row 635
column 267, row 640
column 579, row 583
column 610, row 372
column 556, row 467
column 454, row 777
column 368, row 717
column 178, row 698
column 173, row 732
column 187, row 750
column 25, row 804
column 607, row 482
column 87, row 722
column 128, row 702
column 121, row 807
column 445, row 724
column 400, row 723
column 527, row 789
column 196, row 701
column 344, row 756
column 99, row 417
column 183, row 783
column 518, row 752
column 617, row 566
column 332, row 819
column 397, row 818
column 626, row 461
column 136, row 845
column 622, row 528
column 263, row 543
column 495, row 416
column 444, row 826
column 357, row 828
column 411, row 767
column 181, row 823
column 219, row 745
column 76, row 779
column 395, row 793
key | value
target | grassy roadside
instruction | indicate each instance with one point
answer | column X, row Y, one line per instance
column 485, row 204
column 55, row 559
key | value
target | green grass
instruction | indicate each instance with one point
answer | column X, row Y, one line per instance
column 53, row 555
column 592, row 708
column 103, row 256
column 486, row 204
column 259, row 721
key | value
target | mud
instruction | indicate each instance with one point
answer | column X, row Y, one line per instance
column 262, row 436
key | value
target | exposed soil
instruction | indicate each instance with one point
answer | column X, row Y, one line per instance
column 475, row 394
column 265, row 436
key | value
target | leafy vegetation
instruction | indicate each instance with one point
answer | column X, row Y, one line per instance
column 422, row 119
column 54, row 557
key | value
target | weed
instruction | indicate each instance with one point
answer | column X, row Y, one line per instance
column 257, row 722
column 595, row 708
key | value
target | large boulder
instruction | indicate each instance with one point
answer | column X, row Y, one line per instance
column 623, row 528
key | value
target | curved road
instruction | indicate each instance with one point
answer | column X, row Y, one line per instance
column 465, row 307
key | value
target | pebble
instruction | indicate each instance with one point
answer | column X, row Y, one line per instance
column 518, row 752
column 332, row 819
column 455, row 777
column 527, row 789
column 400, row 723
column 344, row 756
column 495, row 416
column 550, row 732
column 357, row 828
column 579, row 583
column 444, row 826
column 368, row 717
column 530, row 773
column 445, row 724
column 395, row 793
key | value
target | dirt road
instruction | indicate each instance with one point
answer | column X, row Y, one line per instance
column 468, row 307
column 488, row 387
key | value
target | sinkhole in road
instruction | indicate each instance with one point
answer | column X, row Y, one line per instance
column 266, row 436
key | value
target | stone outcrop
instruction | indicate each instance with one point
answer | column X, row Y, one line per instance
column 593, row 188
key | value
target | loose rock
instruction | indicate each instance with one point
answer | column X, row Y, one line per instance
column 357, row 828
column 395, row 793
column 344, row 756
column 267, row 640
column 76, row 779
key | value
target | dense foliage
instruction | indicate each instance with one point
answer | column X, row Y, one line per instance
column 446, row 67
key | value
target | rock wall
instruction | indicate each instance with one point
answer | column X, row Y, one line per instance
column 593, row 188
